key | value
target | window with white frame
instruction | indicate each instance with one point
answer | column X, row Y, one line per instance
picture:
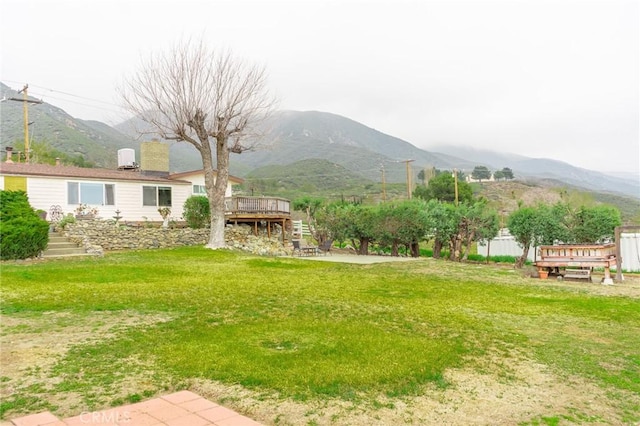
column 156, row 196
column 101, row 194
column 199, row 190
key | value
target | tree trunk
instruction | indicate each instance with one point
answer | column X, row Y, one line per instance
column 415, row 249
column 437, row 249
column 452, row 248
column 216, row 191
column 394, row 248
column 468, row 246
column 364, row 247
column 523, row 258
column 457, row 248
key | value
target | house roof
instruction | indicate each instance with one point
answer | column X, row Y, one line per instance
column 22, row 169
column 182, row 175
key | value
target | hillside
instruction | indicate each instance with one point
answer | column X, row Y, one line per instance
column 95, row 141
column 296, row 136
column 320, row 178
column 545, row 169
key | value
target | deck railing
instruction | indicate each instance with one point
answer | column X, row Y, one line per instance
column 258, row 205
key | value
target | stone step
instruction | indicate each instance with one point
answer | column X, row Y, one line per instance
column 58, row 252
column 60, row 246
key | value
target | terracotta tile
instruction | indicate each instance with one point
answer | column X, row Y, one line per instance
column 75, row 421
column 199, row 404
column 180, row 397
column 188, row 420
column 170, row 413
column 140, row 419
column 217, row 413
column 237, row 421
column 39, row 419
column 106, row 417
column 150, row 405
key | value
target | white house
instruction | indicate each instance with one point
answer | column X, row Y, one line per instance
column 135, row 192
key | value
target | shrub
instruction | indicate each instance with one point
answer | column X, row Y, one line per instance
column 23, row 233
column 69, row 218
column 197, row 212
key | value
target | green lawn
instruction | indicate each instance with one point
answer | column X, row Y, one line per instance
column 304, row 330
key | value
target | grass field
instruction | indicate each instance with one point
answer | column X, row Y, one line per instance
column 288, row 341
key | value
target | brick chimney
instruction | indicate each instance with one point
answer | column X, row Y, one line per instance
column 9, row 151
column 154, row 158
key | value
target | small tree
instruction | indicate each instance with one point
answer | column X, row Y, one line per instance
column 481, row 173
column 479, row 222
column 363, row 229
column 523, row 225
column 442, row 219
column 211, row 100
column 507, row 173
column 442, row 188
column 413, row 220
column 595, row 224
column 542, row 224
column 196, row 211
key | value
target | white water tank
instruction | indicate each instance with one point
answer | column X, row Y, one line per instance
column 127, row 158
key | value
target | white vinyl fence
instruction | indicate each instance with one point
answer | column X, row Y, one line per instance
column 505, row 245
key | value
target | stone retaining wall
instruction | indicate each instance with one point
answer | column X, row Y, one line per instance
column 96, row 236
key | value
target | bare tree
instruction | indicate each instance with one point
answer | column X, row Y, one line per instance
column 209, row 99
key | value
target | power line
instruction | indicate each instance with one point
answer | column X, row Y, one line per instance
column 42, row 95
column 67, row 93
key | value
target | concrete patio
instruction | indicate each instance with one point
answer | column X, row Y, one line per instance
column 182, row 408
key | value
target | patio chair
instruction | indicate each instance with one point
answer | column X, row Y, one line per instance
column 303, row 249
column 325, row 247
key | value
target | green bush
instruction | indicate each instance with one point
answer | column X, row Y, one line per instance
column 196, row 211
column 69, row 218
column 23, row 233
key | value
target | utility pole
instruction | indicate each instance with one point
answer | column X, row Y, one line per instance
column 25, row 106
column 455, row 185
column 384, row 191
column 408, row 162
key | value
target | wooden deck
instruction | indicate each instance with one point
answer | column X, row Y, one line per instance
column 578, row 256
column 259, row 211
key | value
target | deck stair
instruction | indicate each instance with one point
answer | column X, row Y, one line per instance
column 60, row 246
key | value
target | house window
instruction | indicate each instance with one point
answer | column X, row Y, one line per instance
column 156, row 196
column 102, row 194
column 199, row 190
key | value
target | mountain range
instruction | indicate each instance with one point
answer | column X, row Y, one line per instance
column 296, row 136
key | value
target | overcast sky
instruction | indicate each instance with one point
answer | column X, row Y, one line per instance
column 554, row 79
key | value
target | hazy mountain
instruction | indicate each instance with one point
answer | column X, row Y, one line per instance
column 548, row 169
column 295, row 136
column 95, row 141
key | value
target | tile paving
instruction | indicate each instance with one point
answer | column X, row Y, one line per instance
column 182, row 408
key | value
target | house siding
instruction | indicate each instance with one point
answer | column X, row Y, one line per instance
column 47, row 186
column 129, row 201
column 45, row 192
column 198, row 179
